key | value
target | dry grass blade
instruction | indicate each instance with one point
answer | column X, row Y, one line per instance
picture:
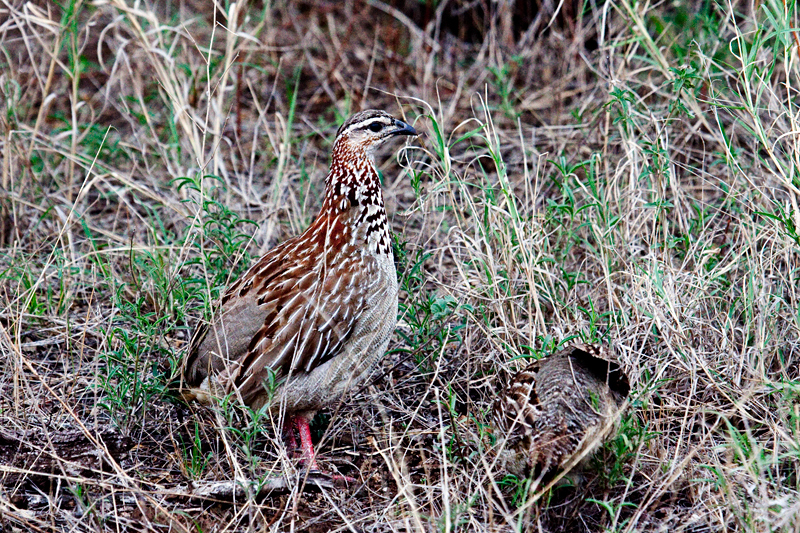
column 613, row 172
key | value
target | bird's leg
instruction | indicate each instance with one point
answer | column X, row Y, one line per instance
column 288, row 434
column 305, row 442
column 309, row 457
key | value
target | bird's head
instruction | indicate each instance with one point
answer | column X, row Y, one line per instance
column 369, row 129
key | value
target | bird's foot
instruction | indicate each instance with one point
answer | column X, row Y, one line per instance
column 309, row 458
column 337, row 479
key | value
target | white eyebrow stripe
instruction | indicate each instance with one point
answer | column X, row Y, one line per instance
column 386, row 121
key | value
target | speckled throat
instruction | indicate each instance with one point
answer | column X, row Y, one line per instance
column 354, row 183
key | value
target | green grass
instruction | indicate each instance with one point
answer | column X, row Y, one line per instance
column 630, row 176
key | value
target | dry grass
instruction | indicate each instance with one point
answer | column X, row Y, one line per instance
column 629, row 174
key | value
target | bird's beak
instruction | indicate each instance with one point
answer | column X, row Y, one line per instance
column 403, row 128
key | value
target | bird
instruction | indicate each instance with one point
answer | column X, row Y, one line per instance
column 558, row 408
column 314, row 315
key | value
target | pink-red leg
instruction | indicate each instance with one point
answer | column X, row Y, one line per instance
column 309, row 457
column 305, row 443
column 288, row 434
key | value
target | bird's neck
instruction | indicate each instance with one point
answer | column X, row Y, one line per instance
column 354, row 201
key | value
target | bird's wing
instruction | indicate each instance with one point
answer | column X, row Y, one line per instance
column 225, row 339
column 291, row 312
column 309, row 313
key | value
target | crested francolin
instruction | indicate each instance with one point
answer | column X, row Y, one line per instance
column 558, row 408
column 313, row 315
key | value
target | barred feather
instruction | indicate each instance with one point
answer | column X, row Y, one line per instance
column 558, row 405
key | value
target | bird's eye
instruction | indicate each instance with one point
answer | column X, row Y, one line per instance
column 376, row 127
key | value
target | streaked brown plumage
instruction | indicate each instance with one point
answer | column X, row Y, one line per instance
column 558, row 407
column 316, row 312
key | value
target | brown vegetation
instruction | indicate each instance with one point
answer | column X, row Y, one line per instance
column 616, row 172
